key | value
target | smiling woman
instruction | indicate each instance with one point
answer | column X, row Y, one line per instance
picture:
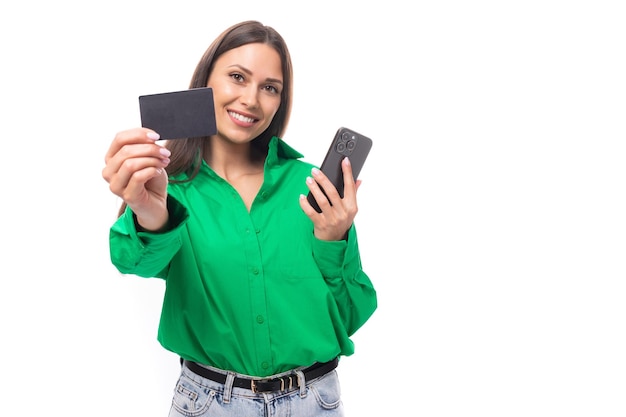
column 259, row 307
column 247, row 82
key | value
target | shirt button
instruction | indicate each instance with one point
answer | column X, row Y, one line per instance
column 259, row 319
column 265, row 365
column 264, row 194
column 255, row 271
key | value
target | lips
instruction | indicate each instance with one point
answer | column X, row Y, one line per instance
column 241, row 117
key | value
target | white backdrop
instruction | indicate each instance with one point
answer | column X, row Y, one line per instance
column 492, row 207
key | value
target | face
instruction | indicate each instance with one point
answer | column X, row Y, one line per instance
column 247, row 82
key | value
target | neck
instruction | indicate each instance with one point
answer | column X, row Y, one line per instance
column 233, row 160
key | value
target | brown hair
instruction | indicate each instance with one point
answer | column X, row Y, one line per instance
column 187, row 153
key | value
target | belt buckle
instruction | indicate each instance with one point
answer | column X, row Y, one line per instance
column 253, row 386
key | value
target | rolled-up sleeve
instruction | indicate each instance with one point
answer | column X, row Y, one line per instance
column 340, row 265
column 146, row 254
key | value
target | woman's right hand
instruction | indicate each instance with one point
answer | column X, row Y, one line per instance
column 135, row 170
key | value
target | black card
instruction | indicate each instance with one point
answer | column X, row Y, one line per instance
column 179, row 114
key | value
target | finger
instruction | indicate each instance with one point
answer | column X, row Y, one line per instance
column 307, row 207
column 317, row 192
column 357, row 185
column 349, row 186
column 130, row 136
column 135, row 191
column 120, row 180
column 326, row 185
column 135, row 151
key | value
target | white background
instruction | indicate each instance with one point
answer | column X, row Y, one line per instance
column 492, row 216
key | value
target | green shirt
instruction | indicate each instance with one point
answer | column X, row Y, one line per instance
column 251, row 292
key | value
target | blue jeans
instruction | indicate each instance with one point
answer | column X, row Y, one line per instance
column 196, row 396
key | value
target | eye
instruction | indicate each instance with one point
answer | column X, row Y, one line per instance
column 272, row 89
column 237, row 76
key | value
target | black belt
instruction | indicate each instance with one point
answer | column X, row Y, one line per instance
column 287, row 382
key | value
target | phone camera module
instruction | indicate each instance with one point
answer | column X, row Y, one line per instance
column 346, row 143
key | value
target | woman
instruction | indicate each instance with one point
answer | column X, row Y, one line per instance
column 262, row 291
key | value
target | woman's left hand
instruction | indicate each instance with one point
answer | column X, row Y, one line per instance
column 337, row 213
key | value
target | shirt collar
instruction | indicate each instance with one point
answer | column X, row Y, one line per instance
column 278, row 149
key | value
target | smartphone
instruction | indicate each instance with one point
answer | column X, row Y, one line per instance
column 348, row 143
column 179, row 114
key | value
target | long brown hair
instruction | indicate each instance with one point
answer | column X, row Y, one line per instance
column 187, row 153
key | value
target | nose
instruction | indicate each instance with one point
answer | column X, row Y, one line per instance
column 249, row 96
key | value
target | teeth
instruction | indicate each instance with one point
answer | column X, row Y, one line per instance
column 241, row 117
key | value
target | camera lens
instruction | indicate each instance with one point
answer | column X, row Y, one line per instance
column 345, row 136
column 350, row 144
column 341, row 147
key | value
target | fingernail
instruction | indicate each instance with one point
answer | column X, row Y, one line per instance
column 153, row 136
column 315, row 171
column 309, row 180
column 165, row 152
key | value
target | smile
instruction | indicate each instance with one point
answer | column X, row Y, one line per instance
column 241, row 117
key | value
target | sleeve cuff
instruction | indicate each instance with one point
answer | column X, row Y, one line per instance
column 331, row 255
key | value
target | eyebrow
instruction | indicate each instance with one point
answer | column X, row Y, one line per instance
column 247, row 71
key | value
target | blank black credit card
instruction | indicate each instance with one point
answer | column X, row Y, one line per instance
column 179, row 114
